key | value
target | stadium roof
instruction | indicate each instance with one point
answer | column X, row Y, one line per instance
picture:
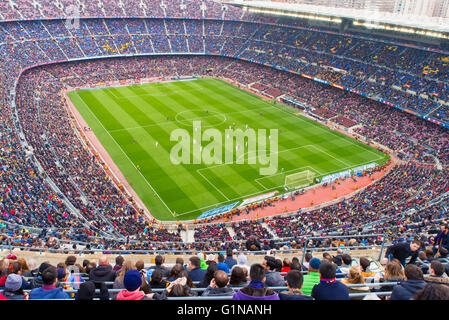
column 367, row 18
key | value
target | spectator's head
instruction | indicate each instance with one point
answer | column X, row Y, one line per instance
column 42, row 267
column 394, row 271
column 286, row 263
column 413, row 272
column 429, row 253
column 444, row 227
column 314, row 265
column 257, row 272
column 278, row 265
column 13, row 283
column 127, row 265
column 294, row 279
column 157, row 276
column 415, row 245
column 237, row 276
column 14, row 267
column 70, row 261
column 327, row 270
column 179, row 261
column 422, row 256
column 229, row 252
column 295, row 265
column 50, row 276
column 327, row 256
column 364, row 263
column 90, row 266
column 159, row 260
column 132, row 280
column 442, row 252
column 221, row 258
column 308, row 256
column 220, row 279
column 62, row 274
column 436, row 268
column 194, row 262
column 175, row 271
column 241, row 260
column 103, row 261
column 269, row 263
column 433, row 291
column 140, row 265
column 346, row 258
column 86, row 291
column 355, row 275
column 119, row 261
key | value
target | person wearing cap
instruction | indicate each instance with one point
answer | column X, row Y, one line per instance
column 49, row 291
column 312, row 277
column 230, row 261
column 132, row 282
column 13, row 288
column 36, row 282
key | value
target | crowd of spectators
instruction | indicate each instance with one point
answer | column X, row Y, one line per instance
column 409, row 271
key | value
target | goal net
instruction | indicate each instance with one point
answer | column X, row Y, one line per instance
column 299, row 179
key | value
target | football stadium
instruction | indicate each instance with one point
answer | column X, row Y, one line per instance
column 224, row 150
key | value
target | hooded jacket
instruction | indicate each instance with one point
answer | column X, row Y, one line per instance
column 226, row 291
column 290, row 295
column 437, row 280
column 251, row 293
column 102, row 273
column 131, row 295
column 48, row 293
column 407, row 289
column 274, row 279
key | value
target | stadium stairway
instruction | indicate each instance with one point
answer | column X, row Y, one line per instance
column 264, row 224
column 231, row 232
column 188, row 235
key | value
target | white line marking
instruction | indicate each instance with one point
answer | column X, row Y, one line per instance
column 126, row 155
column 212, row 184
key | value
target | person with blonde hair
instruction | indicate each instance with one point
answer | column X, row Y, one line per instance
column 393, row 272
column 355, row 276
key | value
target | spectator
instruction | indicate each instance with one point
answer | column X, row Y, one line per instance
column 305, row 265
column 402, row 251
column 256, row 289
column 13, row 288
column 364, row 266
column 312, row 277
column 238, row 277
column 329, row 288
column 118, row 263
column 196, row 273
column 157, row 280
column 230, row 261
column 432, row 291
column 175, row 272
column 442, row 239
column 286, row 265
column 355, row 276
column 103, row 272
column 393, row 273
column 37, row 281
column 219, row 285
column 87, row 291
column 414, row 281
column 221, row 263
column 436, row 273
column 211, row 269
column 337, row 259
column 252, row 244
column 48, row 290
column 242, row 263
column 273, row 278
column 294, row 281
column 119, row 279
column 132, row 282
column 178, row 288
column 346, row 262
column 159, row 264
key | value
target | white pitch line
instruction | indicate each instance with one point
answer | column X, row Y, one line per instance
column 212, row 185
column 322, row 151
column 126, row 156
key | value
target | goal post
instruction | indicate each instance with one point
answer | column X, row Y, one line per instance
column 299, row 179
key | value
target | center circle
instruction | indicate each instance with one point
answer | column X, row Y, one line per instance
column 213, row 118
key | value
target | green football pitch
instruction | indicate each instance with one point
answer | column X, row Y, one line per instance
column 134, row 124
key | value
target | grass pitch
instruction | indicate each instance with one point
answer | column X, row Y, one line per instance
column 134, row 124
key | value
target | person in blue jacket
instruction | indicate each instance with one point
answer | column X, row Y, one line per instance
column 48, row 291
column 196, row 273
